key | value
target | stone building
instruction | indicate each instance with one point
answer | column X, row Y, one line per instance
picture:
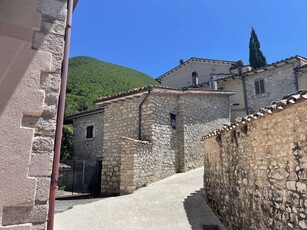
column 256, row 169
column 196, row 70
column 87, row 144
column 301, row 73
column 32, row 47
column 253, row 88
column 147, row 134
column 272, row 82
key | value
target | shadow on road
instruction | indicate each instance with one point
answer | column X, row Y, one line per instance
column 62, row 205
column 199, row 214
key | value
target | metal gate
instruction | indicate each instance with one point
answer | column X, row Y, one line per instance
column 80, row 176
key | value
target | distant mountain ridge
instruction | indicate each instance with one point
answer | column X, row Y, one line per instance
column 90, row 79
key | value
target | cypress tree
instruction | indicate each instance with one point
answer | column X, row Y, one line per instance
column 256, row 57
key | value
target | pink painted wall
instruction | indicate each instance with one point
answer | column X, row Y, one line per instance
column 31, row 44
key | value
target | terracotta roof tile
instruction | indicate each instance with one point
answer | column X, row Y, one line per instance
column 274, row 107
column 192, row 59
column 83, row 113
column 136, row 91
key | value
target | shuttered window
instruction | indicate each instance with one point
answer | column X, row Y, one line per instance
column 259, row 87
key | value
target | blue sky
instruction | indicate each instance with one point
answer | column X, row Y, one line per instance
column 152, row 35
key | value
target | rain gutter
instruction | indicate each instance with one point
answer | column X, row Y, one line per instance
column 140, row 113
column 60, row 116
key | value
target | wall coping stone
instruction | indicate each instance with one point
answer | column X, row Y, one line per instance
column 275, row 107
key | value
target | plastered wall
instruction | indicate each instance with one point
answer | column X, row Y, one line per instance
column 31, row 43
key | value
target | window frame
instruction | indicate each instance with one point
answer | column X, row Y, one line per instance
column 259, row 86
column 173, row 120
column 92, row 132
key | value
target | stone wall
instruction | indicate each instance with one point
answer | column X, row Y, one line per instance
column 138, row 165
column 171, row 149
column 32, row 39
column 201, row 114
column 88, row 148
column 302, row 79
column 277, row 82
column 164, row 137
column 120, row 119
column 174, row 149
column 255, row 174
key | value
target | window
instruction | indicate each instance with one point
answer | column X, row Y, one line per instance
column 259, row 87
column 173, row 120
column 89, row 132
column 195, row 78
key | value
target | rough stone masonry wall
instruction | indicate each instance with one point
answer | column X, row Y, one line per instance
column 201, row 115
column 164, row 137
column 84, row 148
column 32, row 39
column 255, row 175
column 120, row 119
column 138, row 165
column 278, row 82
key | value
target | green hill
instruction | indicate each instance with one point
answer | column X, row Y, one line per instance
column 90, row 79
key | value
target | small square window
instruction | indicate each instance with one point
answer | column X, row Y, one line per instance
column 89, row 131
column 173, row 121
column 259, row 87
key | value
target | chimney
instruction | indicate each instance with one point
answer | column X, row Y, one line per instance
column 240, row 66
column 195, row 78
column 213, row 83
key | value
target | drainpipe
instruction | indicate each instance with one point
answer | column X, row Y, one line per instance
column 60, row 118
column 245, row 94
column 295, row 77
column 140, row 113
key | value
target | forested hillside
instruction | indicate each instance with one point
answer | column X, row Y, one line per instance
column 90, row 79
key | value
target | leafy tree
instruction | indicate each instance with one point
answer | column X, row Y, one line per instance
column 66, row 147
column 256, row 57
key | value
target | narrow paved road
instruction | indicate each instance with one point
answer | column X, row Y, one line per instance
column 172, row 203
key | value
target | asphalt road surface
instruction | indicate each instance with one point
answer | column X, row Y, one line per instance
column 173, row 203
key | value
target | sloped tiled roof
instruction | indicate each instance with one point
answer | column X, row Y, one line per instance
column 255, row 71
column 273, row 108
column 301, row 67
column 137, row 92
column 142, row 90
column 133, row 91
column 83, row 113
column 194, row 59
